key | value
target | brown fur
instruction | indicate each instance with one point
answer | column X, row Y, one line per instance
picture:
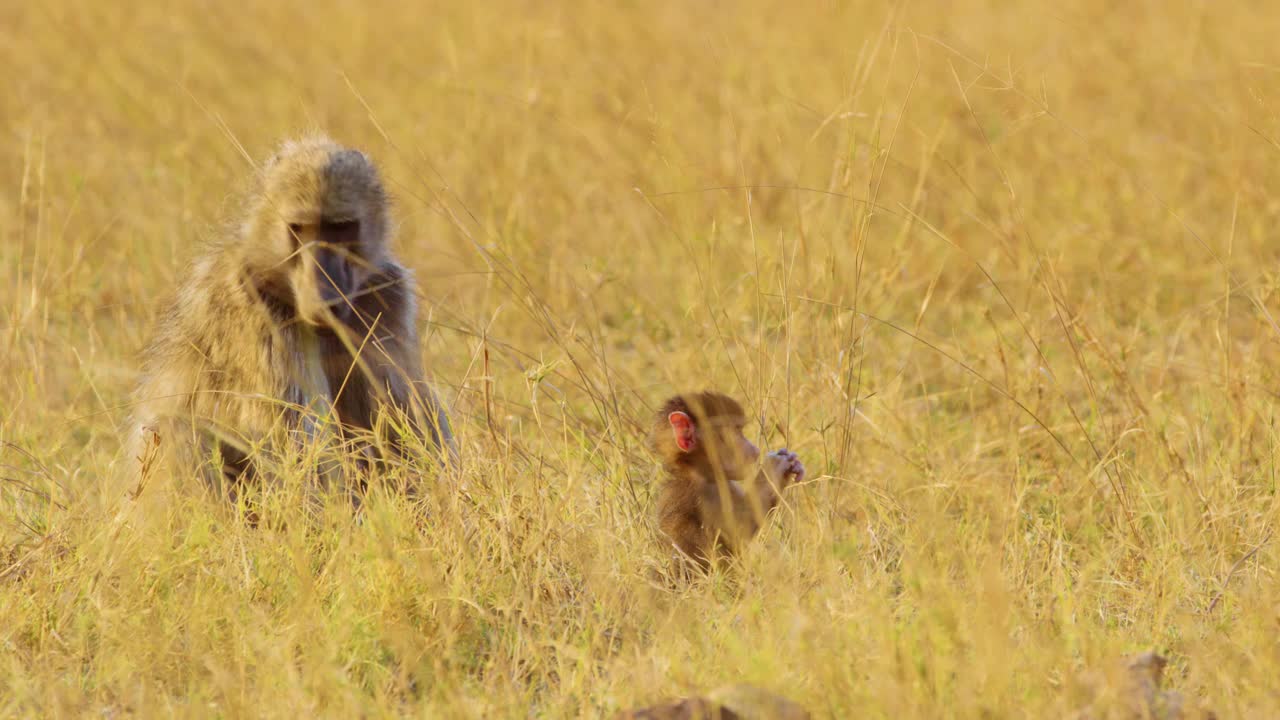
column 715, row 498
column 254, row 355
column 686, row 709
column 1133, row 689
column 735, row 702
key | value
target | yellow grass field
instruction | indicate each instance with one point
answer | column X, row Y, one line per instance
column 1006, row 275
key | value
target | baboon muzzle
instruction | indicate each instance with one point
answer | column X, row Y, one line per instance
column 334, row 282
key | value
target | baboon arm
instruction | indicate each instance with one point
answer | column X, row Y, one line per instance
column 734, row 512
column 398, row 371
column 390, row 366
column 690, row 538
column 424, row 409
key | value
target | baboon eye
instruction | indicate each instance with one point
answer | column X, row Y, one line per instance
column 343, row 232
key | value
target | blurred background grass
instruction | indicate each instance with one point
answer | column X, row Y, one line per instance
column 1004, row 274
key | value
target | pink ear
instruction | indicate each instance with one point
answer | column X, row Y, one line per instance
column 682, row 426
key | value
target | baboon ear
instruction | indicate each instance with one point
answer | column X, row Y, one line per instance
column 682, row 427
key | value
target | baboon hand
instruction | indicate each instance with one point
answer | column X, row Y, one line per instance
column 784, row 467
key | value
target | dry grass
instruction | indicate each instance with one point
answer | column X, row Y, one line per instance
column 1005, row 276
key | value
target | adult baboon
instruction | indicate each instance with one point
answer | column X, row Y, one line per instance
column 295, row 330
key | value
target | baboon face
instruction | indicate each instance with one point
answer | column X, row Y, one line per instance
column 329, row 267
column 324, row 220
column 705, row 431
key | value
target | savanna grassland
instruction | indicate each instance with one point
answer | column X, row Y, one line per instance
column 1006, row 275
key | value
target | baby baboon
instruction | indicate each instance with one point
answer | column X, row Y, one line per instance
column 299, row 318
column 715, row 497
